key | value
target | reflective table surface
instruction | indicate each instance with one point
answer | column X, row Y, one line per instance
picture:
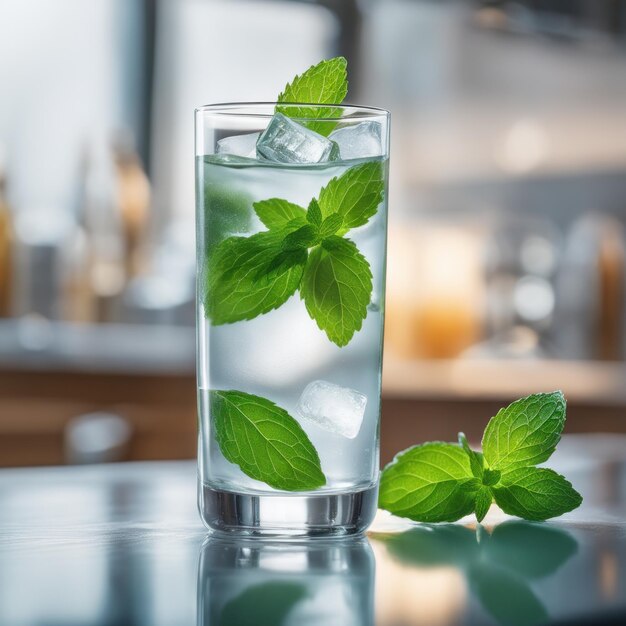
column 123, row 544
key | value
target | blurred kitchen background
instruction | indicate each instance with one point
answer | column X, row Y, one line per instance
column 507, row 245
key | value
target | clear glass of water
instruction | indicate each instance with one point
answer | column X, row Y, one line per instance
column 291, row 251
column 247, row 582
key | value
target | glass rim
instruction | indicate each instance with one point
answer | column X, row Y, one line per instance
column 256, row 110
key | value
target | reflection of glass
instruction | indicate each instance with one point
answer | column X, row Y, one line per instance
column 499, row 567
column 252, row 583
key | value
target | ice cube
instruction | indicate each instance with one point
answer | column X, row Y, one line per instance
column 287, row 141
column 333, row 408
column 239, row 145
column 359, row 141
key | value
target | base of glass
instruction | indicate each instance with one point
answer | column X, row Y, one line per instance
column 290, row 517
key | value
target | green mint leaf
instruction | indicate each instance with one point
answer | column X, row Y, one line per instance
column 491, row 477
column 355, row 195
column 475, row 458
column 525, row 432
column 484, row 498
column 265, row 603
column 324, row 83
column 330, row 225
column 303, row 237
column 535, row 494
column 432, row 482
column 278, row 213
column 265, row 441
column 336, row 288
column 243, row 280
column 314, row 213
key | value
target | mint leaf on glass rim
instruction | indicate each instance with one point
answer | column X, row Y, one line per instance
column 535, row 493
column 242, row 278
column 355, row 195
column 526, row 432
column 324, row 83
column 432, row 482
column 265, row 441
column 278, row 213
column 336, row 288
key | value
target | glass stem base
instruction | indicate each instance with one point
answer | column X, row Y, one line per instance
column 292, row 516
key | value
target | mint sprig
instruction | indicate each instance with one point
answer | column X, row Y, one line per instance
column 324, row 83
column 265, row 441
column 305, row 250
column 442, row 482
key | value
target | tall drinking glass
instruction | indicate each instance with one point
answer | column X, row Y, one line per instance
column 291, row 252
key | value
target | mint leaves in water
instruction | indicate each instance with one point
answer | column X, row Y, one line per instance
column 442, row 482
column 305, row 250
column 265, row 441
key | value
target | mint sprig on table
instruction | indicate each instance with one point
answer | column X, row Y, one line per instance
column 442, row 482
column 305, row 250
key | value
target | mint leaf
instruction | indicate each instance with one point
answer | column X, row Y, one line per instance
column 475, row 458
column 355, row 195
column 243, row 280
column 429, row 483
column 535, row 493
column 330, row 225
column 324, row 83
column 526, row 432
column 265, row 441
column 303, row 237
column 278, row 213
column 314, row 213
column 336, row 288
column 491, row 477
column 484, row 498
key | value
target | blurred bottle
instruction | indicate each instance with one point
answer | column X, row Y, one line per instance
column 78, row 297
column 104, row 232
column 6, row 248
column 590, row 291
column 133, row 201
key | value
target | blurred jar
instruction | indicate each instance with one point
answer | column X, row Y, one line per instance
column 522, row 257
column 591, row 290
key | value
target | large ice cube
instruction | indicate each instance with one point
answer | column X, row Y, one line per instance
column 359, row 141
column 287, row 141
column 239, row 145
column 336, row 409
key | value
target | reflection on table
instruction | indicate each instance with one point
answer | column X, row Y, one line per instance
column 122, row 544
